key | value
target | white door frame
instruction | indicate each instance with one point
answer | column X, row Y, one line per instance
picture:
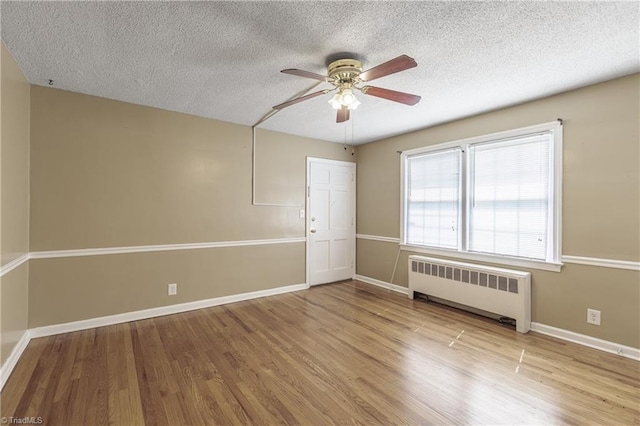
column 308, row 219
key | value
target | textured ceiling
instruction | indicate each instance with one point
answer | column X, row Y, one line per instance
column 223, row 59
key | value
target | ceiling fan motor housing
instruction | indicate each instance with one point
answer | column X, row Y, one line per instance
column 345, row 71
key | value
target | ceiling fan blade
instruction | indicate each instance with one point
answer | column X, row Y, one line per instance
column 392, row 95
column 301, row 98
column 343, row 115
column 401, row 63
column 307, row 74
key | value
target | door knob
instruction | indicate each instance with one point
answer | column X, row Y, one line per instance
column 312, row 230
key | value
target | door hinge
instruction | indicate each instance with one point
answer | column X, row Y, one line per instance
column 308, row 191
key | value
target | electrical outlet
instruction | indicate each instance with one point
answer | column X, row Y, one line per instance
column 593, row 316
column 172, row 289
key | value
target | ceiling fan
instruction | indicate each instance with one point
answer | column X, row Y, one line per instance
column 346, row 75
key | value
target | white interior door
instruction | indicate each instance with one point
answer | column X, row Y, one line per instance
column 331, row 221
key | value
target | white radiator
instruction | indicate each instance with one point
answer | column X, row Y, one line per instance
column 500, row 291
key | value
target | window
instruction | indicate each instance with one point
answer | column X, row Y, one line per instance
column 494, row 195
column 433, row 206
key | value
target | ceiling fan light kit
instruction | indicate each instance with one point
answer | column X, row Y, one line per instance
column 344, row 98
column 346, row 75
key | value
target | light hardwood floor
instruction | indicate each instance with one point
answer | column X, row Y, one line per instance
column 339, row 353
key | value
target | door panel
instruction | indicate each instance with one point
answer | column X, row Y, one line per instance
column 330, row 221
column 341, row 176
column 341, row 254
column 322, row 207
column 340, row 210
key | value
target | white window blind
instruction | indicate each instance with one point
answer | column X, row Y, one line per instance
column 510, row 197
column 433, row 191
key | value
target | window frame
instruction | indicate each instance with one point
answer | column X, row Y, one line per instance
column 555, row 128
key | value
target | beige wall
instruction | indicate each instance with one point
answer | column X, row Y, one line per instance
column 111, row 174
column 15, row 160
column 14, row 308
column 601, row 203
column 14, row 207
column 277, row 159
column 77, row 288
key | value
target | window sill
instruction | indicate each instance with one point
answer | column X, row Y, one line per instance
column 488, row 258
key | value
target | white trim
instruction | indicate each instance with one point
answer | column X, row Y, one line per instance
column 478, row 257
column 68, row 327
column 506, row 134
column 383, row 284
column 159, row 247
column 378, row 238
column 578, row 260
column 12, row 360
column 584, row 340
column 160, row 311
column 10, row 266
column 333, row 162
column 557, row 164
column 605, row 263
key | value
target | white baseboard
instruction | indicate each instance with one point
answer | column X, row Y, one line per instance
column 581, row 339
column 383, row 284
column 50, row 330
column 584, row 340
column 16, row 353
column 157, row 312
